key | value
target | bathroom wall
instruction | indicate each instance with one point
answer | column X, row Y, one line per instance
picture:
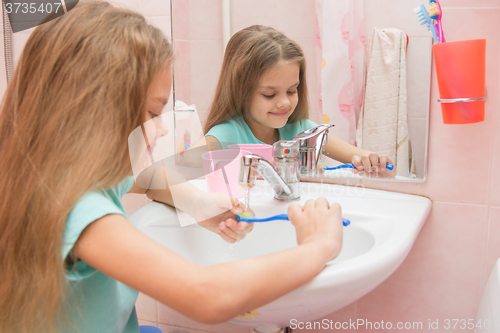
column 447, row 268
column 445, row 273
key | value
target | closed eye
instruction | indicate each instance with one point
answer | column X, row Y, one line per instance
column 292, row 92
column 153, row 115
column 268, row 96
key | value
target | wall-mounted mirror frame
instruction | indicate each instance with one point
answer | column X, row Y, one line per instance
column 200, row 30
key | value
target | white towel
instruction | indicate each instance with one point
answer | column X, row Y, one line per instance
column 383, row 121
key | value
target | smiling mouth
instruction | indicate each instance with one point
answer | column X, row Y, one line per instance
column 279, row 114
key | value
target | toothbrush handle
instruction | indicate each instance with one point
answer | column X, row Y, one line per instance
column 351, row 166
column 345, row 222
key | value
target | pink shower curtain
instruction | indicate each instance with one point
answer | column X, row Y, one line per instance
column 340, row 57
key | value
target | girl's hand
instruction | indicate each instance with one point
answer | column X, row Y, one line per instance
column 319, row 222
column 217, row 213
column 373, row 165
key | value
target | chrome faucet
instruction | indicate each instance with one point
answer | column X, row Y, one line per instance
column 311, row 143
column 284, row 179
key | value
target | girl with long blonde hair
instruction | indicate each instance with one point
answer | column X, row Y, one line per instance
column 70, row 260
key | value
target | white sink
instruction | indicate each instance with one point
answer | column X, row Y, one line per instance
column 384, row 226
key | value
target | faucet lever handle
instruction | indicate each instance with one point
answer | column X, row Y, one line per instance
column 314, row 137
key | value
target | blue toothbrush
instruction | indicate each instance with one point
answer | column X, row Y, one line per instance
column 424, row 19
column 346, row 222
column 351, row 166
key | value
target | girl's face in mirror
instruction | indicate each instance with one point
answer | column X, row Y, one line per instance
column 275, row 97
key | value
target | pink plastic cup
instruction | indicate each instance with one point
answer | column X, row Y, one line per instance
column 263, row 150
column 222, row 170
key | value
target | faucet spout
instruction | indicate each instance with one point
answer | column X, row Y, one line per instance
column 251, row 164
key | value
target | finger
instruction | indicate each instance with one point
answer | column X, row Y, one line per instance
column 383, row 162
column 309, row 204
column 244, row 227
column 224, row 236
column 356, row 161
column 237, row 210
column 367, row 165
column 335, row 208
column 231, row 229
column 374, row 161
column 294, row 210
column 321, row 202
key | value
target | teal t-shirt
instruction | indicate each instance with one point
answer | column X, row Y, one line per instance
column 96, row 302
column 236, row 131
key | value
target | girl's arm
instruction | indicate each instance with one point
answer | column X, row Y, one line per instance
column 192, row 156
column 365, row 161
column 213, row 211
column 215, row 293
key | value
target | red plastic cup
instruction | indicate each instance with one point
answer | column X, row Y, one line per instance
column 460, row 69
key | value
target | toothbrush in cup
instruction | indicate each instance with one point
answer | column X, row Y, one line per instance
column 424, row 19
column 436, row 13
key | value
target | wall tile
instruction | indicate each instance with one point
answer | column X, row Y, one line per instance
column 205, row 71
column 182, row 71
column 492, row 252
column 494, row 186
column 129, row 4
column 309, row 48
column 465, row 4
column 341, row 318
column 205, row 19
column 145, row 322
column 155, row 7
column 162, row 23
column 170, row 317
column 245, row 13
column 181, row 21
column 440, row 278
column 146, row 308
column 296, row 19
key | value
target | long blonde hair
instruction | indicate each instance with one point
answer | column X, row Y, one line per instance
column 78, row 91
column 249, row 53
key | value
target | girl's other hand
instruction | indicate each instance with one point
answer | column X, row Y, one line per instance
column 373, row 165
column 320, row 222
column 217, row 213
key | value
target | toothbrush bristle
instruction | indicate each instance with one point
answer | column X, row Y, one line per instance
column 434, row 12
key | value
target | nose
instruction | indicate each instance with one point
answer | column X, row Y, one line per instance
column 161, row 128
column 283, row 102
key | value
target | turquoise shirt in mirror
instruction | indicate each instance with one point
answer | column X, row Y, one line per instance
column 95, row 302
column 236, row 131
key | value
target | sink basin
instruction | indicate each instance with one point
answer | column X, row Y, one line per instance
column 384, row 226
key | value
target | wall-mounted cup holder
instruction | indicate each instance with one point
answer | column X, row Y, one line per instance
column 460, row 69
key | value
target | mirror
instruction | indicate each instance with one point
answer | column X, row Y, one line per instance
column 201, row 28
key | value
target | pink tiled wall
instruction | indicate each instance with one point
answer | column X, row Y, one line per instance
column 445, row 272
